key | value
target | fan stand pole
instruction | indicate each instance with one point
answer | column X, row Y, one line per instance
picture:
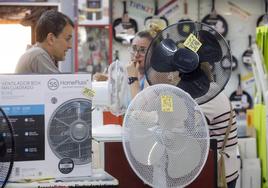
column 159, row 173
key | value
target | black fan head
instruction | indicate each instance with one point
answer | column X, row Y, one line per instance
column 167, row 57
column 199, row 73
column 210, row 51
column 7, row 148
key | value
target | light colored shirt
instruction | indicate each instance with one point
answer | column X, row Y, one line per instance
column 36, row 60
column 217, row 113
column 142, row 82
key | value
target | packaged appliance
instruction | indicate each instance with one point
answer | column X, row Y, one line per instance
column 51, row 116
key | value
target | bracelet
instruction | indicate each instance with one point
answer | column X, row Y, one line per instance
column 131, row 80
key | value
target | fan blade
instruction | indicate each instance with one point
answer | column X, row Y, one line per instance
column 195, row 83
column 184, row 160
column 185, row 60
column 145, row 117
column 162, row 56
column 210, row 51
column 144, row 146
column 143, row 138
column 167, row 57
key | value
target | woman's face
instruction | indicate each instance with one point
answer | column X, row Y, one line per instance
column 139, row 48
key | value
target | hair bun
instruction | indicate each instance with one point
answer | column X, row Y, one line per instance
column 155, row 28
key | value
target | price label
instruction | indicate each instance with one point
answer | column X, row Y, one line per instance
column 192, row 43
column 88, row 92
column 166, row 103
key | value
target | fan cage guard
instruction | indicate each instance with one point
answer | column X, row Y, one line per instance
column 69, row 131
column 218, row 76
column 117, row 83
column 7, row 158
column 192, row 127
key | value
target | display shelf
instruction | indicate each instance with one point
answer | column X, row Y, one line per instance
column 107, row 133
column 99, row 178
column 93, row 36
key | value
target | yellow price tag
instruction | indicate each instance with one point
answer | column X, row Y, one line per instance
column 88, row 92
column 248, row 76
column 166, row 103
column 192, row 43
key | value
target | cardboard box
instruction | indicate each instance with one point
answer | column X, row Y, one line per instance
column 51, row 117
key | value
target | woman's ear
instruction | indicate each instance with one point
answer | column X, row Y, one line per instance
column 50, row 38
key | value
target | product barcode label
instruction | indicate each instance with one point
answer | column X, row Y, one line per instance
column 166, row 103
column 192, row 43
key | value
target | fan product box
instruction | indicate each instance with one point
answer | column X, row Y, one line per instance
column 51, row 118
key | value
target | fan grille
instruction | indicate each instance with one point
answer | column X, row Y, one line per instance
column 69, row 131
column 117, row 88
column 170, row 142
column 217, row 76
column 7, row 148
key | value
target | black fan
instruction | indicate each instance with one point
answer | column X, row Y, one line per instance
column 169, row 60
column 7, row 148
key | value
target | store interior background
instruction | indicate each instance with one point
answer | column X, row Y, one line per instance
column 241, row 23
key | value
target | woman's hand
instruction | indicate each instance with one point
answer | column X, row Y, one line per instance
column 132, row 69
column 100, row 76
